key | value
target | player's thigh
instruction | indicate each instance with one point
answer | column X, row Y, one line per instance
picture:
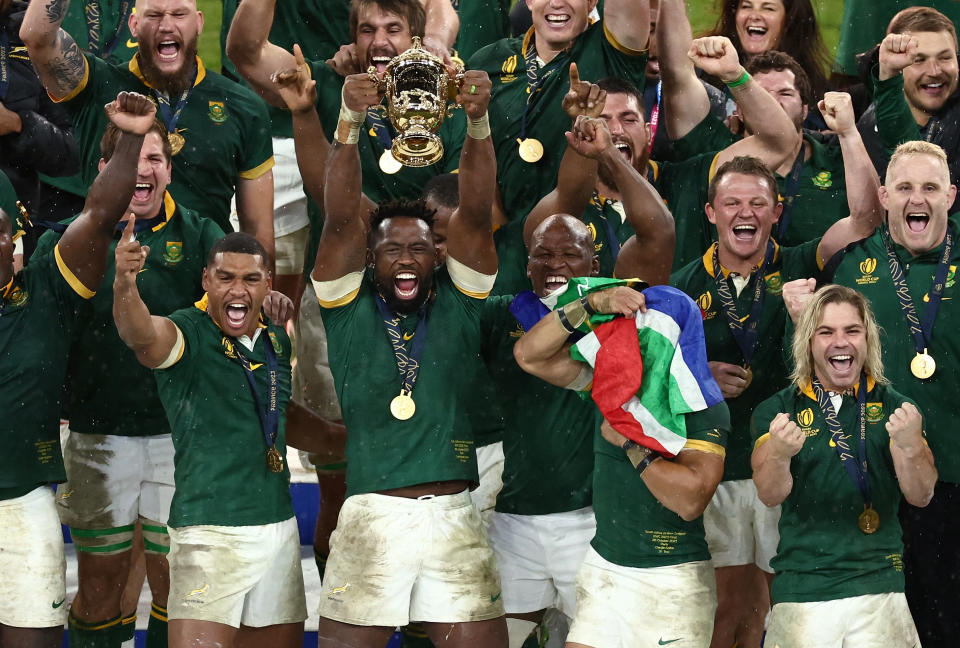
column 491, row 633
column 286, row 635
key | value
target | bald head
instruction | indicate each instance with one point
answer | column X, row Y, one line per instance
column 561, row 248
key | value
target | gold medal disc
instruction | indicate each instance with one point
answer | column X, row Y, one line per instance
column 869, row 520
column 389, row 164
column 531, row 150
column 176, row 142
column 923, row 365
column 402, row 407
column 274, row 460
column 749, row 377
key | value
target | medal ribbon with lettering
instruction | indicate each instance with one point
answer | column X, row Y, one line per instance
column 532, row 150
column 745, row 336
column 408, row 364
column 4, row 63
column 269, row 416
column 923, row 364
column 655, row 117
column 172, row 116
column 388, row 164
column 92, row 13
column 613, row 241
column 868, row 521
column 792, row 190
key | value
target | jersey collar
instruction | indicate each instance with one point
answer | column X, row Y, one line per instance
column 134, row 67
column 807, row 388
column 708, row 260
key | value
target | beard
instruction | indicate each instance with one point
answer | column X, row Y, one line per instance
column 170, row 83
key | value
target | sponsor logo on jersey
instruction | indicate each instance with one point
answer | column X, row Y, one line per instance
column 276, row 344
column 593, row 235
column 805, row 418
column 822, row 180
column 705, row 301
column 951, row 276
column 774, row 283
column 197, row 594
column 217, row 112
column 517, row 332
column 228, row 349
column 867, row 267
column 18, row 296
column 173, row 254
column 508, row 68
column 131, row 43
column 874, row 412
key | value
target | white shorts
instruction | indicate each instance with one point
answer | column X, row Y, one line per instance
column 394, row 560
column 875, row 620
column 312, row 383
column 290, row 250
column 114, row 480
column 740, row 529
column 289, row 200
column 539, row 557
column 627, row 607
column 490, row 467
column 32, row 585
column 248, row 575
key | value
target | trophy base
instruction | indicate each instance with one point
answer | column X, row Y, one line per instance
column 417, row 149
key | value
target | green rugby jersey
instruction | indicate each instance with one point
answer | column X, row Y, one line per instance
column 37, row 316
column 548, row 431
column 822, row 554
column 112, row 40
column 437, row 443
column 8, row 199
column 683, row 186
column 481, row 22
column 225, row 126
column 378, row 186
column 633, row 528
column 865, row 269
column 320, row 27
column 220, row 458
column 769, row 371
column 596, row 54
column 111, row 392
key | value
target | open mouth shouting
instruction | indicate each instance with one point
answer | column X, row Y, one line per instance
column 555, row 282
column 236, row 315
column 380, row 59
column 745, row 232
column 405, row 285
column 143, row 192
column 559, row 20
column 625, row 150
column 168, row 51
column 917, row 222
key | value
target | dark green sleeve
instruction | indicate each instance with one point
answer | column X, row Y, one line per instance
column 210, row 233
column 8, row 197
column 711, row 134
column 762, row 415
column 711, row 425
column 895, row 122
column 329, row 87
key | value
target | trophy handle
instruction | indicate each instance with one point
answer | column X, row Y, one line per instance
column 454, row 83
column 377, row 81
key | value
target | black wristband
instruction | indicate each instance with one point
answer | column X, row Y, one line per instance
column 649, row 459
column 629, row 443
column 585, row 302
column 564, row 322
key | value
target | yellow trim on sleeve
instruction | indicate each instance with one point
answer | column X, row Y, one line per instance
column 705, row 446
column 820, row 260
column 763, row 439
column 71, row 278
column 80, row 86
column 470, row 293
column 617, row 45
column 257, row 171
column 341, row 301
column 656, row 169
column 713, row 168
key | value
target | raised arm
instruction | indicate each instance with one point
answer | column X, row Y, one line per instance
column 83, row 246
column 470, row 232
column 775, row 139
column 912, row 458
column 628, row 21
column 685, row 100
column 897, row 120
column 863, row 184
column 684, row 484
column 53, row 52
column 343, row 244
column 543, row 351
column 442, row 27
column 250, row 49
column 771, row 460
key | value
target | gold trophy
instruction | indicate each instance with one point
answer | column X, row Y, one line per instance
column 417, row 89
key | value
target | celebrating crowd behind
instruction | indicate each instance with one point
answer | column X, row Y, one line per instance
column 650, row 345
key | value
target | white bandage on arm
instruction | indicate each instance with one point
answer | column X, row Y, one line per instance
column 479, row 128
column 583, row 380
column 469, row 281
column 349, row 124
column 176, row 352
column 338, row 292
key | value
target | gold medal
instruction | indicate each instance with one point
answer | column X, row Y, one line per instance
column 274, row 460
column 389, row 164
column 923, row 365
column 402, row 407
column 531, row 150
column 176, row 142
column 749, row 377
column 869, row 520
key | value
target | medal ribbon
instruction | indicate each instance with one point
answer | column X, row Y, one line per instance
column 655, row 117
column 379, row 127
column 408, row 364
column 856, row 470
column 613, row 241
column 745, row 337
column 792, row 190
column 922, row 332
column 92, row 13
column 534, row 80
column 4, row 63
column 171, row 117
column 269, row 418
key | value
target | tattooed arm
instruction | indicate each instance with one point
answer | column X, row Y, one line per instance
column 53, row 52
